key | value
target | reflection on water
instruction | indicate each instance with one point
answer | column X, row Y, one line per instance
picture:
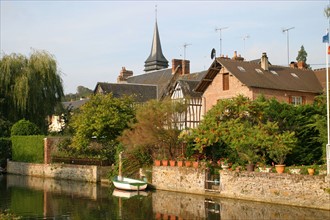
column 34, row 198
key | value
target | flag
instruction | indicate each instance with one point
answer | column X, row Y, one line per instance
column 326, row 38
column 328, row 50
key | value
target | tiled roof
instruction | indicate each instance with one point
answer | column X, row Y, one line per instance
column 188, row 86
column 321, row 76
column 143, row 93
column 74, row 104
column 160, row 78
column 252, row 75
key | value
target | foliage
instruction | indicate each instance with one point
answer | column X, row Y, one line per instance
column 302, row 54
column 30, row 87
column 7, row 215
column 156, row 130
column 24, row 127
column 100, row 121
column 5, row 126
column 261, row 130
column 82, row 92
column 28, row 148
column 5, row 151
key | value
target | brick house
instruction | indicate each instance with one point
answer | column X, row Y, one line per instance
column 227, row 78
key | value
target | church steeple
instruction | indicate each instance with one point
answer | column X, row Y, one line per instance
column 156, row 59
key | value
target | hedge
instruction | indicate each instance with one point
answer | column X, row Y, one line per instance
column 28, row 148
column 5, row 151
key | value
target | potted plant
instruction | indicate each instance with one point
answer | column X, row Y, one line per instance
column 172, row 163
column 280, row 148
column 311, row 169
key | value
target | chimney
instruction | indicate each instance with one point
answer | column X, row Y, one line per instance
column 180, row 66
column 301, row 65
column 123, row 75
column 238, row 58
column 264, row 61
column 185, row 67
column 176, row 64
column 293, row 65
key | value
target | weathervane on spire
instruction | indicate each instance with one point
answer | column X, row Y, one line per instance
column 156, row 12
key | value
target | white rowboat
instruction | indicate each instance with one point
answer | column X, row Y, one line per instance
column 125, row 183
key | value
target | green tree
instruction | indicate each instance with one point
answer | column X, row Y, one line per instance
column 100, row 121
column 302, row 54
column 30, row 87
column 156, row 129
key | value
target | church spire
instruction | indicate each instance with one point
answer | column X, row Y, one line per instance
column 156, row 59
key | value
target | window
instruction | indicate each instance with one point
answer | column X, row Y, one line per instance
column 241, row 69
column 294, row 75
column 296, row 100
column 274, row 72
column 259, row 71
column 225, row 81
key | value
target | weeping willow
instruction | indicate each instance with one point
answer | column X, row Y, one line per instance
column 30, row 87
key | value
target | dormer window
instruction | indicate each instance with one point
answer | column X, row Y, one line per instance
column 259, row 71
column 241, row 69
column 274, row 72
column 294, row 75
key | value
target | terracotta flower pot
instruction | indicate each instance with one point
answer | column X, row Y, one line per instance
column 311, row 171
column 195, row 164
column 157, row 163
column 165, row 162
column 250, row 167
column 188, row 163
column 180, row 163
column 172, row 163
column 280, row 168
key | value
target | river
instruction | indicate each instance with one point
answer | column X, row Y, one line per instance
column 39, row 198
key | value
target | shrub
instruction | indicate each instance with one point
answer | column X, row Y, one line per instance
column 28, row 148
column 5, row 151
column 4, row 128
column 25, row 127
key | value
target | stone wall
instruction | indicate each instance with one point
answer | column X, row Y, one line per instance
column 181, row 179
column 288, row 189
column 58, row 171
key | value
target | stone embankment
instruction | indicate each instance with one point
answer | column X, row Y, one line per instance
column 289, row 189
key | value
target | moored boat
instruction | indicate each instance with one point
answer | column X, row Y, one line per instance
column 125, row 183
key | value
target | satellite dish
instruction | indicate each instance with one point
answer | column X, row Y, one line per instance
column 212, row 53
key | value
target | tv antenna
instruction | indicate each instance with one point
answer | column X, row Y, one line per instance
column 185, row 45
column 220, row 30
column 287, row 41
column 244, row 38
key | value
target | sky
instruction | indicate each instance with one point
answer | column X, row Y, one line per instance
column 92, row 40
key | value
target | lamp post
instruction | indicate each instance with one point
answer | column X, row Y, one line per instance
column 287, row 41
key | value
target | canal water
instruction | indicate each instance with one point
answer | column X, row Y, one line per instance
column 39, row 198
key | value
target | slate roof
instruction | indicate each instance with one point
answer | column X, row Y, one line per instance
column 143, row 92
column 160, row 78
column 252, row 75
column 156, row 59
column 74, row 104
column 188, row 86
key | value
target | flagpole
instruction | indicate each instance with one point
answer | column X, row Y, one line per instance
column 328, row 124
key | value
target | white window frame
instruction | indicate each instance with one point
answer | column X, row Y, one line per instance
column 296, row 100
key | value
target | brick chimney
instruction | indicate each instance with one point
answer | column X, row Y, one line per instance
column 185, row 67
column 293, row 65
column 235, row 57
column 301, row 65
column 123, row 75
column 182, row 66
column 264, row 61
